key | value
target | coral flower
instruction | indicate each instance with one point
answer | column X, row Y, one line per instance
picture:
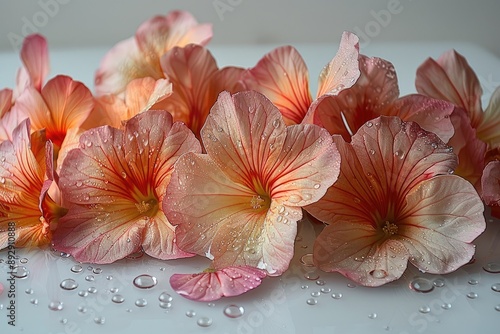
column 139, row 56
column 282, row 76
column 376, row 93
column 25, row 177
column 113, row 186
column 239, row 203
column 214, row 284
column 197, row 82
column 35, row 57
column 395, row 200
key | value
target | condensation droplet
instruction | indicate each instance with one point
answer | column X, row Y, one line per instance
column 63, row 321
column 165, row 305
column 34, row 301
column 372, row 315
column 420, row 284
column 145, row 281
column 204, row 322
column 446, row 306
column 438, row 282
column 109, row 277
column 89, row 278
column 473, row 282
column 315, row 293
column 65, row 255
column 320, row 282
column 29, row 291
column 336, row 295
column 303, row 287
column 23, row 260
column 325, row 290
column 496, row 287
column 165, row 297
column 311, row 301
column 233, row 311
column 492, row 267
column 307, row 260
column 351, row 285
column 76, row 268
column 83, row 293
column 379, row 273
column 211, row 304
column 92, row 290
column 472, row 295
column 190, row 313
column 497, row 308
column 424, row 309
column 56, row 305
column 118, row 299
column 141, row 302
column 97, row 271
column 100, row 320
column 312, row 275
column 82, row 309
column 69, row 284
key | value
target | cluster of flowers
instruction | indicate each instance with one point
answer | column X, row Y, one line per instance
column 176, row 157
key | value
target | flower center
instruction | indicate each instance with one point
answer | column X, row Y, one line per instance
column 147, row 208
column 257, row 202
column 390, row 228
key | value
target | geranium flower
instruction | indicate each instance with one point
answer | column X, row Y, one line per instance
column 139, row 56
column 197, row 82
column 113, row 186
column 376, row 93
column 395, row 200
column 239, row 203
column 214, row 284
column 25, row 177
column 62, row 104
column 282, row 76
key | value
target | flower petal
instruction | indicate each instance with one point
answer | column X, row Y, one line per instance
column 437, row 211
column 343, row 70
column 451, row 78
column 490, row 182
column 141, row 94
column 489, row 128
column 5, row 101
column 282, row 76
column 210, row 286
column 35, row 57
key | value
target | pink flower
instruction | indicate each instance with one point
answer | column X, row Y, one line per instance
column 113, row 186
column 395, row 200
column 282, row 76
column 26, row 174
column 197, row 82
column 139, row 56
column 214, row 284
column 239, row 203
column 376, row 93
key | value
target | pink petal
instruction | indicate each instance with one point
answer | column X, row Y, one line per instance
column 213, row 285
column 451, row 78
column 114, row 184
column 282, row 76
column 356, row 250
column 443, row 215
column 142, row 94
column 490, row 182
column 6, row 101
column 489, row 128
column 343, row 70
column 35, row 57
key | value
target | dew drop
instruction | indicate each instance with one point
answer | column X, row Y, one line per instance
column 76, row 268
column 233, row 311
column 89, row 278
column 307, row 260
column 372, row 151
column 372, row 315
column 34, row 301
column 420, row 284
column 351, row 285
column 317, row 186
column 97, row 271
column 336, row 295
column 29, row 291
column 165, row 297
column 303, row 287
column 438, row 282
column 23, row 260
column 113, row 290
column 446, row 306
column 56, row 305
column 276, row 123
column 325, row 290
column 63, row 321
column 473, row 282
column 320, row 282
column 211, row 304
column 472, row 295
column 92, row 290
column 312, row 275
column 204, row 322
column 99, row 320
column 83, row 293
column 492, row 267
column 141, row 302
column 315, row 293
column 190, row 313
column 145, row 281
column 497, row 308
column 311, row 301
column 424, row 309
column 82, row 309
column 118, row 299
column 165, row 305
column 369, row 124
column 109, row 277
column 20, row 272
column 68, row 284
column 496, row 287
column 379, row 273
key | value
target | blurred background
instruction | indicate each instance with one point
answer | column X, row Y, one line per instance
column 73, row 23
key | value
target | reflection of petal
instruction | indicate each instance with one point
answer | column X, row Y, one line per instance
column 489, row 129
column 212, row 285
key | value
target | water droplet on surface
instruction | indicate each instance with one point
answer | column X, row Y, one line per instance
column 20, row 272
column 473, row 281
column 29, row 291
column 233, row 311
column 109, row 277
column 307, row 260
column 100, row 320
column 372, row 315
column 190, row 313
column 89, row 278
column 145, row 281
column 97, row 271
column 165, row 305
column 438, row 282
column 56, row 305
column 77, row 268
column 497, row 308
column 379, row 273
column 320, row 282
column 420, row 284
column 83, row 293
column 118, row 299
column 141, row 302
column 315, row 293
column 492, row 267
column 311, row 301
column 312, row 275
column 34, row 301
column 303, row 287
column 496, row 287
column 23, row 260
column 472, row 295
column 63, row 321
column 68, row 284
column 165, row 297
column 351, row 285
column 325, row 290
column 336, row 295
column 65, row 255
column 82, row 309
column 92, row 289
column 204, row 322
column 424, row 309
column 446, row 306
column 211, row 304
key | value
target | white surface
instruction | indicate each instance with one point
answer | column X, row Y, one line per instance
column 279, row 304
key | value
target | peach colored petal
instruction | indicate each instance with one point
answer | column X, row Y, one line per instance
column 343, row 70
column 490, row 182
column 282, row 76
column 8, row 122
column 142, row 94
column 358, row 251
column 6, row 101
column 114, row 184
column 489, row 128
column 35, row 57
column 225, row 79
column 442, row 216
column 451, row 78
column 214, row 284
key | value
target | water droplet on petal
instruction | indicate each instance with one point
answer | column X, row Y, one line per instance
column 56, row 305
column 233, row 311
column 204, row 322
column 379, row 273
column 492, row 267
column 317, row 186
column 69, row 284
column 472, row 295
column 145, row 281
column 369, row 124
column 77, row 268
column 420, row 284
column 311, row 301
column 276, row 123
column 141, row 302
column 424, row 309
column 190, row 313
